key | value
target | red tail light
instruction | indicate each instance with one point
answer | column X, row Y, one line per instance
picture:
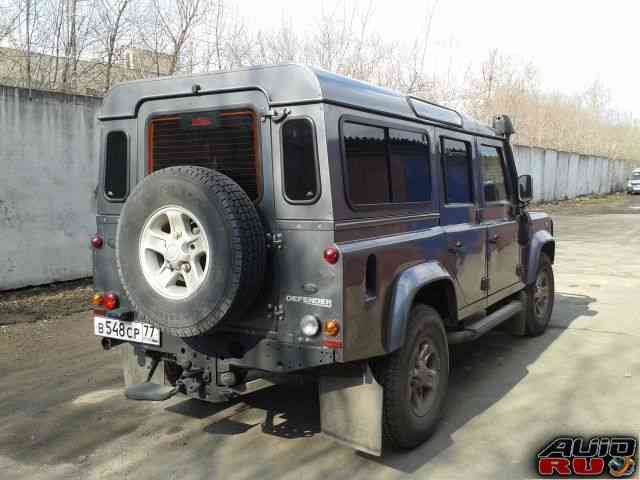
column 332, row 343
column 331, row 255
column 96, row 241
column 110, row 301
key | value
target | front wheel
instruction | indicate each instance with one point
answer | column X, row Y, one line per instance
column 539, row 298
column 415, row 380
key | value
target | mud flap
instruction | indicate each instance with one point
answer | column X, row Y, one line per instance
column 351, row 408
column 136, row 367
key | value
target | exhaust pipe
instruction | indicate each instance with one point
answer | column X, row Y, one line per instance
column 109, row 343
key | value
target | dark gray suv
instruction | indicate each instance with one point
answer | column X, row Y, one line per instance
column 264, row 224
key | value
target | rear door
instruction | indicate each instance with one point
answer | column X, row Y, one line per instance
column 225, row 132
column 498, row 215
column 466, row 237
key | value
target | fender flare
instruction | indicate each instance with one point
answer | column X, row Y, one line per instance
column 538, row 241
column 405, row 288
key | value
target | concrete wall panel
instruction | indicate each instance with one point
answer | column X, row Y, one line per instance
column 47, row 186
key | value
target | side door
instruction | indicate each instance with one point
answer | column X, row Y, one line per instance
column 466, row 236
column 498, row 215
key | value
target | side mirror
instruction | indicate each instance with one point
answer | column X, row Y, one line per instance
column 525, row 188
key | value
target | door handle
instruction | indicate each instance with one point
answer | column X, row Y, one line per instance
column 494, row 238
column 457, row 248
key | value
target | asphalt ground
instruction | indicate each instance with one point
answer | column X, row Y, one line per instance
column 63, row 414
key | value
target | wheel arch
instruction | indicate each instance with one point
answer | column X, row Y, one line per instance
column 541, row 242
column 429, row 283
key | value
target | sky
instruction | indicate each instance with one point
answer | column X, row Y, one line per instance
column 572, row 43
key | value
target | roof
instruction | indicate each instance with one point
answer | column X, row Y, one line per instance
column 282, row 85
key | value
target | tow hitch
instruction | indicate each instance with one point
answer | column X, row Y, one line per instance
column 189, row 382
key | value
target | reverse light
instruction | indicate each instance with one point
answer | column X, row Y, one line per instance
column 331, row 328
column 97, row 241
column 310, row 325
column 331, row 255
column 110, row 301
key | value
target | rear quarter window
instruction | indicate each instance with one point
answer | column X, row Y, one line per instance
column 299, row 161
column 116, row 166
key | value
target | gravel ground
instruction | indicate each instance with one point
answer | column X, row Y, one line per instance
column 594, row 204
column 46, row 302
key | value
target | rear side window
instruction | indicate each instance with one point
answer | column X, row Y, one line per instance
column 386, row 165
column 456, row 167
column 410, row 179
column 494, row 185
column 366, row 152
column 116, row 161
column 299, row 161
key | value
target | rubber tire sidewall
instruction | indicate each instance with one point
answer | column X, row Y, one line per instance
column 535, row 326
column 401, row 427
column 212, row 300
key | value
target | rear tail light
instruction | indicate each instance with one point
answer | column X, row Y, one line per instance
column 110, row 301
column 332, row 343
column 97, row 241
column 331, row 255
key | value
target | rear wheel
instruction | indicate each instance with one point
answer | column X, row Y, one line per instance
column 415, row 380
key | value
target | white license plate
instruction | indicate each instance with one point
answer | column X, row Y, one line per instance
column 130, row 331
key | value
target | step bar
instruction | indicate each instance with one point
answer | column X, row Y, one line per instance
column 482, row 326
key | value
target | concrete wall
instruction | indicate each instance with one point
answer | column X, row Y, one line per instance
column 564, row 175
column 49, row 169
column 48, row 172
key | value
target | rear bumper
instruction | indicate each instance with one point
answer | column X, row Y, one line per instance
column 220, row 350
column 245, row 351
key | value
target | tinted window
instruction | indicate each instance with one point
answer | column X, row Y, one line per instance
column 299, row 162
column 409, row 153
column 456, row 165
column 368, row 169
column 115, row 174
column 226, row 141
column 493, row 176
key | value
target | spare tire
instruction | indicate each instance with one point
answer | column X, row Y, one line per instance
column 190, row 250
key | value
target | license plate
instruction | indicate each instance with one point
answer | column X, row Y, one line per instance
column 131, row 331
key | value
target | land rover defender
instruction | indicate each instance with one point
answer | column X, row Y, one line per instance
column 276, row 221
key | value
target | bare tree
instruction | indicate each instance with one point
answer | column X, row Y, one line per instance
column 177, row 19
column 112, row 22
column 78, row 36
column 10, row 14
column 222, row 40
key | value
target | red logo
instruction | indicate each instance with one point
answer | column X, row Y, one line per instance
column 615, row 456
